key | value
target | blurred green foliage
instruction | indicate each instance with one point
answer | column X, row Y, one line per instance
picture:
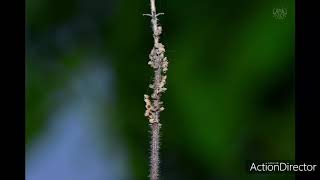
column 230, row 85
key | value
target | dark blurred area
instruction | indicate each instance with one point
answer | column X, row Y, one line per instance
column 230, row 94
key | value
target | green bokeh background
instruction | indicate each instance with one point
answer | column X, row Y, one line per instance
column 230, row 81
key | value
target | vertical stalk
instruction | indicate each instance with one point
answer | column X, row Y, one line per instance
column 154, row 105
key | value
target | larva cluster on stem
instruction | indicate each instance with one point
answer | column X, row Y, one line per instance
column 159, row 63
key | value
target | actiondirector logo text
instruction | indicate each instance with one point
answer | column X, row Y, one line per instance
column 281, row 167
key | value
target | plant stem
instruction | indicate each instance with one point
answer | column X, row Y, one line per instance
column 154, row 106
column 154, row 159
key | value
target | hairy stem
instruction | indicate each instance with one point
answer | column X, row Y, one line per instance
column 154, row 159
column 154, row 105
